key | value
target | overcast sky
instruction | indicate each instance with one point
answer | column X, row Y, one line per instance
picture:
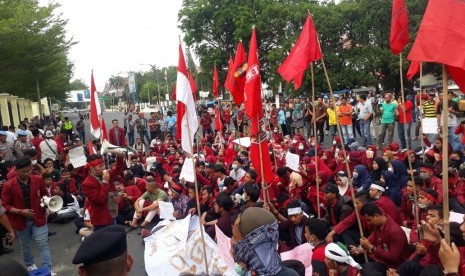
column 117, row 36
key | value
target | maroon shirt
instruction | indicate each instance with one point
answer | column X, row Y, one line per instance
column 390, row 244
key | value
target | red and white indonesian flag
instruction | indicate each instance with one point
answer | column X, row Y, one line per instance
column 189, row 122
column 95, row 110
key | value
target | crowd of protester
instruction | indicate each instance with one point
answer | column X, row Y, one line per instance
column 400, row 235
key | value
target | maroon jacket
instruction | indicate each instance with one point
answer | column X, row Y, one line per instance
column 406, row 210
column 121, row 137
column 390, row 244
column 12, row 196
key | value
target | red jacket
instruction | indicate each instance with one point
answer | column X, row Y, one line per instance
column 121, row 137
column 12, row 196
column 389, row 208
column 131, row 191
column 97, row 194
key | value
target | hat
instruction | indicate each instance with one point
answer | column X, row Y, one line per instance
column 331, row 188
column 48, row 134
column 427, row 166
column 432, row 94
column 355, row 145
column 419, row 150
column 105, row 244
column 350, row 141
column 22, row 133
column 3, row 133
column 253, row 218
column 209, row 165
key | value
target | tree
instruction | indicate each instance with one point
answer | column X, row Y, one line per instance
column 33, row 50
column 78, row 84
column 354, row 37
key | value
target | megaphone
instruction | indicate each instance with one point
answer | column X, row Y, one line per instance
column 109, row 148
column 53, row 203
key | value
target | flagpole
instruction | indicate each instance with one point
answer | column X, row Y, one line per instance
column 445, row 154
column 266, row 195
column 315, row 136
column 421, row 114
column 349, row 173
column 199, row 214
column 404, row 114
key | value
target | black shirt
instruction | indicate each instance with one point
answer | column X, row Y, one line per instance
column 26, row 189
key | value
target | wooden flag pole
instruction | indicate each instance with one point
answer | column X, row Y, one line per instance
column 316, row 144
column 422, row 143
column 343, row 148
column 199, row 214
column 266, row 196
column 445, row 154
column 415, row 201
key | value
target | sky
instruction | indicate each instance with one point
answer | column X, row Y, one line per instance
column 117, row 36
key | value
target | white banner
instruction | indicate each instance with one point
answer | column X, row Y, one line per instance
column 187, row 171
column 177, row 248
column 293, row 161
column 77, row 157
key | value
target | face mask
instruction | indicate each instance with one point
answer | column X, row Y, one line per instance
column 424, row 176
column 334, row 142
column 422, row 205
column 386, row 159
column 301, row 147
column 238, row 269
column 244, row 197
column 390, row 169
column 234, row 166
column 34, row 162
column 355, row 175
column 376, row 197
column 158, row 143
column 294, row 141
column 275, row 131
column 312, row 144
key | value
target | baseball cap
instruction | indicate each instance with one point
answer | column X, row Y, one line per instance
column 48, row 134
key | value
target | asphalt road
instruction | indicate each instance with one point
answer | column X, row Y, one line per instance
column 64, row 245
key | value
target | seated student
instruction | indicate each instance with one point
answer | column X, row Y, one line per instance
column 179, row 199
column 192, row 203
column 49, row 168
column 70, row 209
column 207, row 200
column 426, row 252
column 136, row 181
column 292, row 227
column 136, row 167
column 250, row 196
column 426, row 198
column 128, row 197
column 377, row 190
column 224, row 207
column 153, row 194
column 387, row 244
column 68, row 181
column 315, row 233
column 49, row 183
column 337, row 207
column 406, row 210
column 339, row 262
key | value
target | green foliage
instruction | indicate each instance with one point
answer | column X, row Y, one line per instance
column 33, row 47
column 354, row 37
column 78, row 84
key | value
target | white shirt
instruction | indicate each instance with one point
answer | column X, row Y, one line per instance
column 10, row 136
column 237, row 175
column 45, row 150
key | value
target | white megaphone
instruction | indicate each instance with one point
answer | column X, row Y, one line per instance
column 109, row 148
column 53, row 204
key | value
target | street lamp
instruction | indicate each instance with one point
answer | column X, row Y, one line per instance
column 154, row 68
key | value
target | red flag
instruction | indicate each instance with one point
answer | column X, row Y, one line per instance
column 104, row 130
column 413, row 70
column 399, row 27
column 193, row 85
column 95, row 110
column 441, row 38
column 187, row 116
column 255, row 158
column 236, row 87
column 228, row 82
column 218, row 123
column 216, row 82
column 305, row 50
column 253, row 85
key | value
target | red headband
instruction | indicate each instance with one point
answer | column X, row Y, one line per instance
column 428, row 196
column 95, row 162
